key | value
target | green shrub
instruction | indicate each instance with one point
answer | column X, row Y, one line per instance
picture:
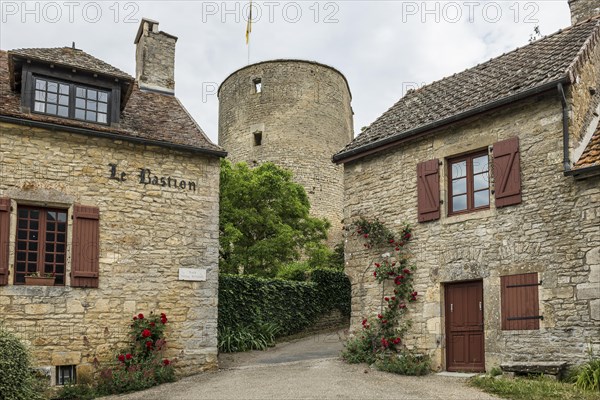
column 405, row 363
column 299, row 272
column 253, row 309
column 17, row 379
column 588, row 376
column 360, row 349
column 75, row 392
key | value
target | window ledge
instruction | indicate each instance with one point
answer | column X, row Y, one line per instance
column 30, row 290
column 482, row 214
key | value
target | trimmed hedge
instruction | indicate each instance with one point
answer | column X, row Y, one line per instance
column 246, row 301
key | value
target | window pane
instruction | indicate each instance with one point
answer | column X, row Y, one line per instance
column 22, row 235
column 51, row 109
column 50, row 237
column 79, row 114
column 34, row 214
column 91, row 105
column 49, row 259
column 63, row 100
column 39, row 107
column 40, row 84
column 459, row 186
column 33, row 235
column 64, row 89
column 22, row 245
column 80, row 92
column 53, row 87
column 33, row 224
column 60, row 248
column 60, row 268
column 62, row 217
column 31, row 267
column 102, row 118
column 21, row 256
column 63, row 111
column 32, row 246
column 79, row 103
column 90, row 116
column 480, row 164
column 32, row 257
column 52, row 98
column 102, row 107
column 459, row 169
column 481, row 181
column 51, row 215
column 92, row 94
column 61, row 238
column 482, row 198
column 103, row 96
column 49, row 247
column 39, row 95
column 459, row 203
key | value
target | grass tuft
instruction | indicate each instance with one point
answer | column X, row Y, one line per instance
column 538, row 388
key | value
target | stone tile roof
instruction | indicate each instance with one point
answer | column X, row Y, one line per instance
column 591, row 154
column 551, row 59
column 71, row 57
column 148, row 116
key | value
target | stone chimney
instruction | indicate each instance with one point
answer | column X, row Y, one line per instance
column 155, row 58
column 582, row 10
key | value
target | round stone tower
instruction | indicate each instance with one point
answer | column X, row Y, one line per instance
column 296, row 114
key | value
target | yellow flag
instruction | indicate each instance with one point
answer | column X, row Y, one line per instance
column 249, row 25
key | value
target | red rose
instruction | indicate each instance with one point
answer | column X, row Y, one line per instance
column 364, row 322
column 397, row 340
column 135, row 318
column 407, row 236
column 379, row 316
column 402, row 306
column 146, row 333
column 163, row 320
column 366, row 235
column 384, row 321
column 391, row 240
column 166, row 362
column 121, row 358
column 128, row 356
column 152, row 324
column 397, row 248
column 149, row 344
column 163, row 315
column 386, row 298
column 398, row 280
column 393, row 298
column 377, row 265
column 375, row 274
column 406, row 271
column 141, row 316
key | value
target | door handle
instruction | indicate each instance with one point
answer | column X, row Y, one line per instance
column 479, row 306
column 451, row 307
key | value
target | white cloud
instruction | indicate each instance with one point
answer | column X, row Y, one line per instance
column 382, row 47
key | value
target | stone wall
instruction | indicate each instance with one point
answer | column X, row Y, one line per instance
column 147, row 233
column 581, row 10
column 304, row 115
column 554, row 232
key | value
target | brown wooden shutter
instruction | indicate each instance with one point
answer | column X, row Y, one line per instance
column 86, row 246
column 4, row 239
column 428, row 190
column 520, row 303
column 507, row 172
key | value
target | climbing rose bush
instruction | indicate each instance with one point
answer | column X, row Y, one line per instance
column 141, row 365
column 380, row 341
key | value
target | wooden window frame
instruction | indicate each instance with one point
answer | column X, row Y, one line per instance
column 42, row 242
column 73, row 86
column 468, row 158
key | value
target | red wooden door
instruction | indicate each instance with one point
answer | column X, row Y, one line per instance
column 464, row 327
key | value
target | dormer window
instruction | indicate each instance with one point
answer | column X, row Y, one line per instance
column 70, row 100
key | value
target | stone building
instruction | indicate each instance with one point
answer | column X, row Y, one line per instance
column 109, row 185
column 497, row 169
column 296, row 114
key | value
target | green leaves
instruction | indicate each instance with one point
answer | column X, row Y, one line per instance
column 253, row 310
column 264, row 219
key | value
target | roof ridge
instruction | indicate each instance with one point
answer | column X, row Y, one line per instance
column 562, row 30
column 590, row 42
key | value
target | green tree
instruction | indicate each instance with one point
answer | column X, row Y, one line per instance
column 264, row 219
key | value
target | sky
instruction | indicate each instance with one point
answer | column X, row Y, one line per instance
column 384, row 48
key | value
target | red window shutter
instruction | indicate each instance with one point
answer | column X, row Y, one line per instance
column 520, row 302
column 428, row 190
column 86, row 246
column 4, row 235
column 507, row 172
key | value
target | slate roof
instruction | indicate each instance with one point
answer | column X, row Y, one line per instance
column 591, row 154
column 70, row 57
column 545, row 62
column 150, row 117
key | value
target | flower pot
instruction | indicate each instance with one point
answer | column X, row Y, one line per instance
column 39, row 281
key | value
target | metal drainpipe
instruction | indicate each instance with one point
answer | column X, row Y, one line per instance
column 565, row 111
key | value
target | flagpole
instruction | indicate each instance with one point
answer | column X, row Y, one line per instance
column 249, row 30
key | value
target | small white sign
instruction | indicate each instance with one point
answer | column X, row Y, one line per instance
column 192, row 274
